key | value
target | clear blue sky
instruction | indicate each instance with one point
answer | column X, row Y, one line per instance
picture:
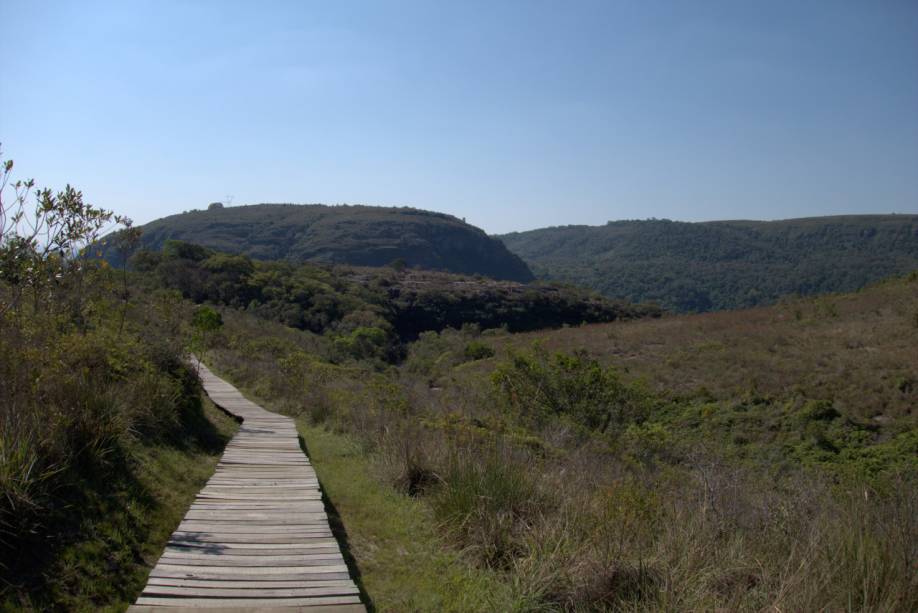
column 514, row 115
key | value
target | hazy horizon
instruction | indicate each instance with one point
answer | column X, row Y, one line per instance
column 514, row 116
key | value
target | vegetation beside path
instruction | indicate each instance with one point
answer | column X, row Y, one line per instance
column 559, row 466
column 104, row 439
column 400, row 555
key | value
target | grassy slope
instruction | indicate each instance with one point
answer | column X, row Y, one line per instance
column 859, row 349
column 105, row 564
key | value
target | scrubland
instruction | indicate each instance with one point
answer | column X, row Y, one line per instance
column 749, row 460
column 104, row 442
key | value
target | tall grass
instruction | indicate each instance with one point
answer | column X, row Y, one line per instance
column 684, row 502
column 486, row 503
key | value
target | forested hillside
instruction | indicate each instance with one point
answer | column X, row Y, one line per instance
column 371, row 310
column 357, row 235
column 725, row 264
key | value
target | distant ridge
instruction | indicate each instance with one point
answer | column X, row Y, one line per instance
column 346, row 234
column 717, row 265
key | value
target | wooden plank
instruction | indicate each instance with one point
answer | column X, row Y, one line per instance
column 245, row 547
column 318, row 522
column 263, row 561
column 244, row 564
column 229, row 574
column 234, row 538
column 269, row 514
column 279, row 494
column 246, row 505
column 264, row 550
column 237, row 592
column 248, row 570
column 248, row 602
column 269, row 483
column 248, row 584
column 229, row 608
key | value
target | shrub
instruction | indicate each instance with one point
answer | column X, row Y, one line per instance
column 476, row 350
column 364, row 342
column 538, row 386
column 818, row 410
column 180, row 250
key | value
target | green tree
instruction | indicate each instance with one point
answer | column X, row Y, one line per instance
column 43, row 248
column 205, row 322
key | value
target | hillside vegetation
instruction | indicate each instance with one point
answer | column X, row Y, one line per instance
column 104, row 440
column 357, row 235
column 750, row 460
column 371, row 311
column 708, row 266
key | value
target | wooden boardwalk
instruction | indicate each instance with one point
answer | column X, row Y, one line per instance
column 256, row 537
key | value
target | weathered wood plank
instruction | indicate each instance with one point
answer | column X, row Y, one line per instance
column 243, row 548
column 209, row 525
column 249, row 584
column 229, row 608
column 229, row 574
column 236, row 592
column 264, row 550
column 229, row 559
column 215, row 568
column 232, row 538
column 251, row 602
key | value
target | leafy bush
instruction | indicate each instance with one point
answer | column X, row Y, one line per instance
column 818, row 410
column 476, row 350
column 537, row 386
column 363, row 343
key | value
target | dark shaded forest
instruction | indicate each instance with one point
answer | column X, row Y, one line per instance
column 372, row 310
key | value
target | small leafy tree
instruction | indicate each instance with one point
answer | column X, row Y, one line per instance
column 205, row 322
column 363, row 342
column 476, row 350
column 126, row 241
column 43, row 248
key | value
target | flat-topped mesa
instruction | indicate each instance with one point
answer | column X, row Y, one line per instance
column 256, row 537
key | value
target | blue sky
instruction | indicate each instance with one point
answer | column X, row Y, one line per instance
column 514, row 115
